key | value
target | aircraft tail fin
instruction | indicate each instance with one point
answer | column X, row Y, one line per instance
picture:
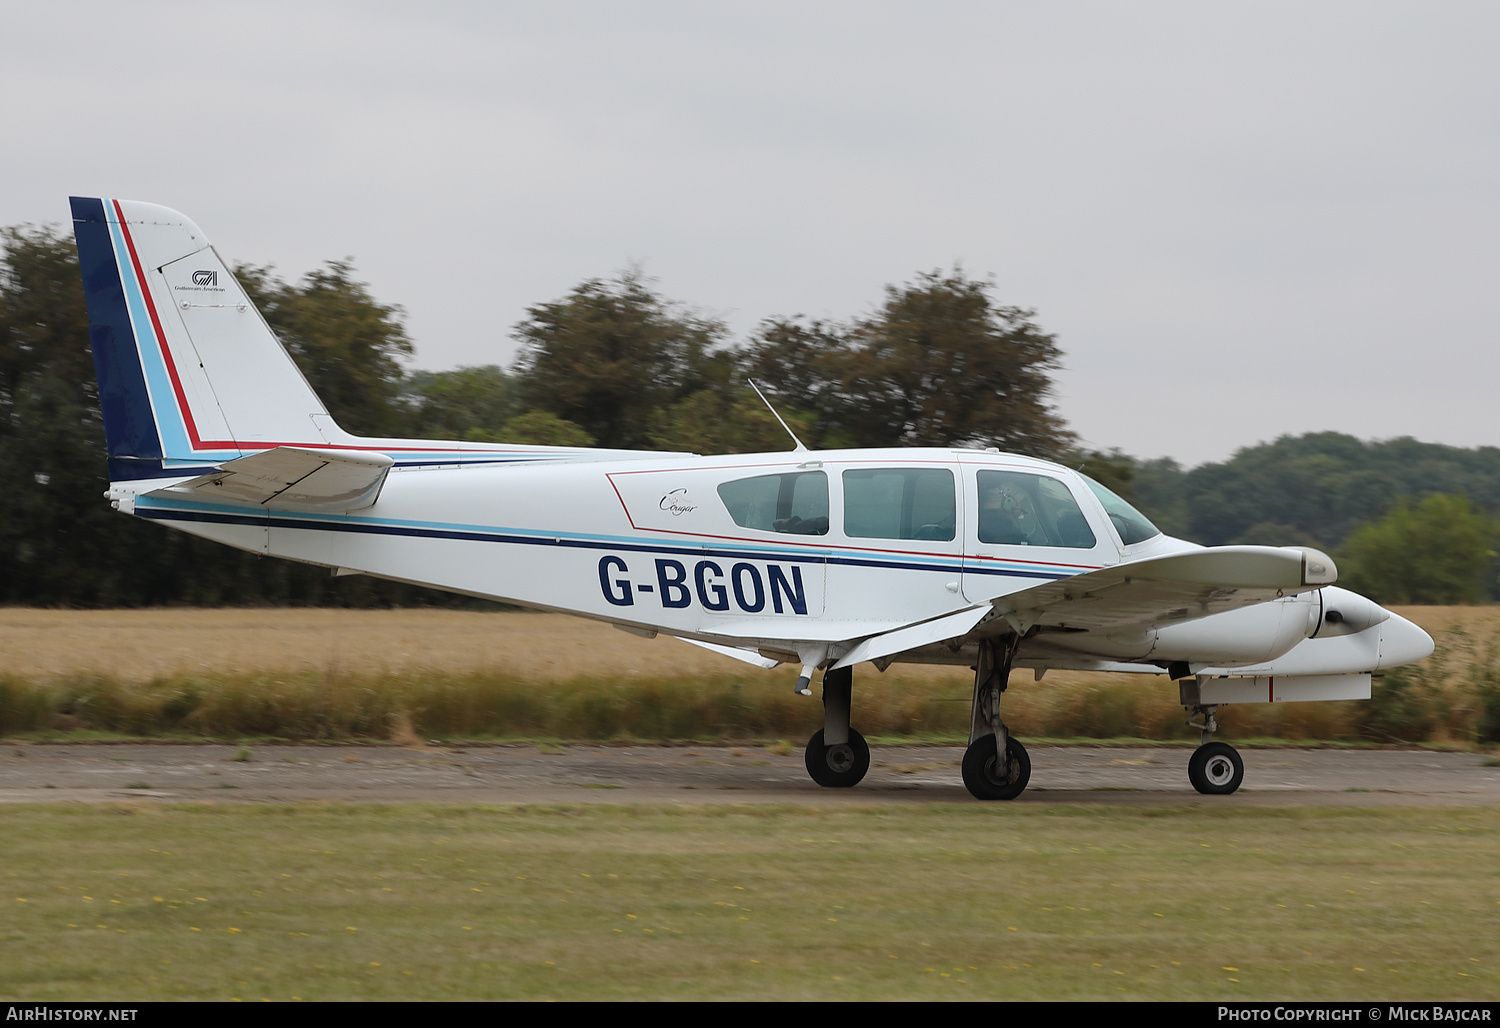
column 191, row 377
column 190, row 374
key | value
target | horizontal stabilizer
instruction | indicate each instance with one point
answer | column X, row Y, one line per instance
column 292, row 478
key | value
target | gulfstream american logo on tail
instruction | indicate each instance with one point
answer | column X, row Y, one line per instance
column 709, row 583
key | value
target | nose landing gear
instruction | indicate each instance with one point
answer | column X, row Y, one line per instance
column 1215, row 768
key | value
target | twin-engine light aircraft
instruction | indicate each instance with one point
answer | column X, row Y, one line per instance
column 819, row 560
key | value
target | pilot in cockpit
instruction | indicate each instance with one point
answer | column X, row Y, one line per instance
column 1003, row 515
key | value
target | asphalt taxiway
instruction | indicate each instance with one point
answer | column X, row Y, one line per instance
column 107, row 773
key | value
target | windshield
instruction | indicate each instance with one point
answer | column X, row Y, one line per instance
column 1030, row 510
column 1132, row 525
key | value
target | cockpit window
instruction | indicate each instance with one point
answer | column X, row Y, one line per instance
column 1132, row 525
column 795, row 503
column 1017, row 509
column 899, row 503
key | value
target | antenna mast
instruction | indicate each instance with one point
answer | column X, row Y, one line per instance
column 799, row 446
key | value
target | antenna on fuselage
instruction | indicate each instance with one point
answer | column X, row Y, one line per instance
column 778, row 417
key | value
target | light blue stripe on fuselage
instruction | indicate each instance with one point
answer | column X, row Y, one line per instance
column 913, row 562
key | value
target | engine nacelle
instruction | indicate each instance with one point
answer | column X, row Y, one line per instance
column 1249, row 635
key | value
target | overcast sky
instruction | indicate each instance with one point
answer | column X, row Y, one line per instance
column 1240, row 220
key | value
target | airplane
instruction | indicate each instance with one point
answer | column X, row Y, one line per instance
column 821, row 560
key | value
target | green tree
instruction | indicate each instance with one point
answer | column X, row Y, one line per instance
column 1157, row 489
column 1270, row 533
column 709, row 421
column 542, row 428
column 1440, row 551
column 800, row 361
column 941, row 364
column 1115, row 470
column 1322, row 484
column 350, row 346
column 52, row 471
column 465, row 403
column 938, row 364
column 610, row 356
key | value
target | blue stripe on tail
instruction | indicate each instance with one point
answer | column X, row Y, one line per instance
column 135, row 449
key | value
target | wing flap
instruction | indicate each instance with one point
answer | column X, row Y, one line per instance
column 925, row 633
column 748, row 656
column 292, row 478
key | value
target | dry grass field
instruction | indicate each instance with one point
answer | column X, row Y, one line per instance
column 138, row 645
column 322, row 673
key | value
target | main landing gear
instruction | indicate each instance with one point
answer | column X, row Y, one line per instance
column 995, row 766
column 837, row 756
column 1215, row 768
column 987, row 774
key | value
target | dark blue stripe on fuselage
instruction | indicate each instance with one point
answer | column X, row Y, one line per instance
column 365, row 528
column 129, row 425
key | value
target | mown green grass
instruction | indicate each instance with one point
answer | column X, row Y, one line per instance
column 604, row 902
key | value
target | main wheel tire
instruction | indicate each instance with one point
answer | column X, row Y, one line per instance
column 837, row 767
column 986, row 778
column 1216, row 769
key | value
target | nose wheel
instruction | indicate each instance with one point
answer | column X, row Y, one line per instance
column 1216, row 769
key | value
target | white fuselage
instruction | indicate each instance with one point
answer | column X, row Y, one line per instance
column 677, row 545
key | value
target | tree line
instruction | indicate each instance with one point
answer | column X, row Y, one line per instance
column 938, row 361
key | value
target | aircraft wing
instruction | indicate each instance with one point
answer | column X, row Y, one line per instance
column 1159, row 591
column 1148, row 593
column 292, row 478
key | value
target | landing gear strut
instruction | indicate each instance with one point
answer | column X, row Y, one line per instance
column 1215, row 768
column 837, row 756
column 987, row 774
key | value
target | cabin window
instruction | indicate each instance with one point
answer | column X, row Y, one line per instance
column 1016, row 509
column 899, row 503
column 1132, row 525
column 795, row 503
